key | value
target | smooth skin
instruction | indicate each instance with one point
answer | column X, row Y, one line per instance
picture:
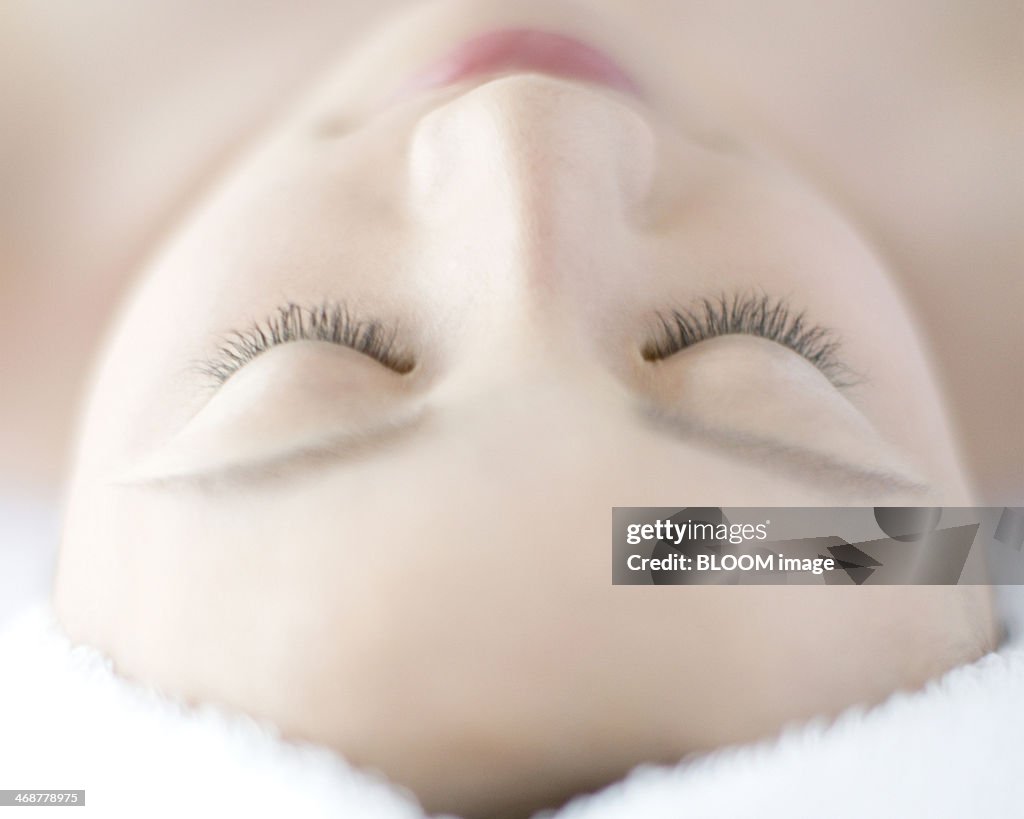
column 413, row 568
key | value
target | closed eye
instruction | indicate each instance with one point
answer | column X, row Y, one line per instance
column 751, row 314
column 330, row 322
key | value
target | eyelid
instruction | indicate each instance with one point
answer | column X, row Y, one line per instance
column 294, row 398
column 769, row 394
column 752, row 314
column 329, row 321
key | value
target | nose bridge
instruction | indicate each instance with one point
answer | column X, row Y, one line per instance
column 533, row 169
column 522, row 189
column 534, row 391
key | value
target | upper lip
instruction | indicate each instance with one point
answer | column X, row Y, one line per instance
column 532, row 50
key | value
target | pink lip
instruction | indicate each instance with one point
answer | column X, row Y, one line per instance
column 510, row 50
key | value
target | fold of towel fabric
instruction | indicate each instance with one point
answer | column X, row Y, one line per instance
column 954, row 749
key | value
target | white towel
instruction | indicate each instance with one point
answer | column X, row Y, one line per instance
column 954, row 749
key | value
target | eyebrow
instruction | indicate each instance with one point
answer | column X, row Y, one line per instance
column 805, row 465
column 802, row 464
column 290, row 463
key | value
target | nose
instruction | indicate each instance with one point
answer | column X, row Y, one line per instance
column 533, row 168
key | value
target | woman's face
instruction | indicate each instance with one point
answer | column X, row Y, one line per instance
column 391, row 531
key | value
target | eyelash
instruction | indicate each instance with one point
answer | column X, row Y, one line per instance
column 331, row 322
column 750, row 314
